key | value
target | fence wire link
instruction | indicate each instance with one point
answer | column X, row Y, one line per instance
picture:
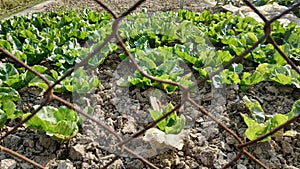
column 49, row 96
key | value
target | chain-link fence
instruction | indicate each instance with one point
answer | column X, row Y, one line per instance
column 49, row 96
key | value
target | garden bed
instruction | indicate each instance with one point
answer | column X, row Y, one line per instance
column 125, row 109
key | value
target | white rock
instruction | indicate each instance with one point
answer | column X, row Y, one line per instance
column 158, row 139
column 8, row 164
column 77, row 152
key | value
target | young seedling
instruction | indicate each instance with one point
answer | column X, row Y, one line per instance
column 169, row 131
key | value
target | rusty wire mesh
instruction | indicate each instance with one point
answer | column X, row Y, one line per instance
column 241, row 148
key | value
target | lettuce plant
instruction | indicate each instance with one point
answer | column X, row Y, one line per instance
column 259, row 123
column 173, row 124
column 170, row 129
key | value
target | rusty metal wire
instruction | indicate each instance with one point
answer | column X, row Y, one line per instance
column 49, row 96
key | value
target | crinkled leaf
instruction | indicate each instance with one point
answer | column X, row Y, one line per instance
column 29, row 75
column 10, row 75
column 8, row 94
column 38, row 82
column 295, row 110
column 65, row 113
column 177, row 126
column 224, row 56
column 5, row 45
column 186, row 80
column 282, row 79
column 254, row 129
column 10, row 109
column 60, row 123
column 253, row 79
column 255, row 108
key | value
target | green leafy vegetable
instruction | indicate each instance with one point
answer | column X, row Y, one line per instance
column 8, row 108
column 259, row 124
column 173, row 124
column 60, row 123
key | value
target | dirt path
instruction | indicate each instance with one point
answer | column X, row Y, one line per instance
column 37, row 8
column 118, row 6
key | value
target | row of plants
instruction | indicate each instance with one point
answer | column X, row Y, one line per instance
column 161, row 43
column 57, row 39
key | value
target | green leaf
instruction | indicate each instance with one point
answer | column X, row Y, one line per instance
column 5, row 45
column 3, row 118
column 177, row 127
column 255, row 131
column 186, row 80
column 27, row 34
column 54, row 74
column 256, row 128
column 155, row 115
column 9, row 108
column 282, row 79
column 229, row 77
column 81, row 82
column 37, row 82
column 224, row 56
column 8, row 94
column 255, row 108
column 60, row 123
column 251, row 38
column 171, row 124
column 65, row 113
column 253, row 79
column 277, row 120
column 29, row 75
column 64, row 130
column 10, row 75
column 237, row 68
column 295, row 110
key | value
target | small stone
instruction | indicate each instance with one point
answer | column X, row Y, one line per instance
column 28, row 142
column 8, row 164
column 166, row 163
column 287, row 148
column 47, row 142
column 180, row 153
column 90, row 156
column 231, row 140
column 84, row 140
column 12, row 141
column 201, row 140
column 116, row 165
column 180, row 164
column 241, row 166
column 208, row 156
column 193, row 135
column 85, row 165
column 77, row 152
column 194, row 165
column 134, row 164
column 272, row 89
column 65, row 164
